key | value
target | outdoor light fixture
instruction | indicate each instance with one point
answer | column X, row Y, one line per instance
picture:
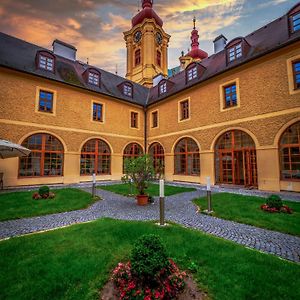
column 208, row 189
column 94, row 185
column 162, row 202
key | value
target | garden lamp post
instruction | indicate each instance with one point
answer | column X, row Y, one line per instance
column 208, row 189
column 94, row 185
column 162, row 202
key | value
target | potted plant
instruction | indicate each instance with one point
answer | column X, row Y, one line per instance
column 140, row 172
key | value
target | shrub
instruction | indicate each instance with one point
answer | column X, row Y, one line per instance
column 51, row 195
column 274, row 201
column 44, row 191
column 148, row 258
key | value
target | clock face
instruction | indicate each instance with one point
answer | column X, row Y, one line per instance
column 158, row 38
column 137, row 36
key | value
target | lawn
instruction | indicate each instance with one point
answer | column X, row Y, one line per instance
column 18, row 205
column 246, row 209
column 75, row 262
column 153, row 189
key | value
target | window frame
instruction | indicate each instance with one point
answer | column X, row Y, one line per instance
column 42, row 156
column 233, row 49
column 222, row 87
column 162, row 87
column 193, row 71
column 92, row 75
column 288, row 146
column 295, row 73
column 134, row 119
column 37, row 101
column 137, row 57
column 96, row 154
column 47, row 57
column 154, row 124
column 233, row 102
column 127, row 86
column 46, row 101
column 291, row 22
column 187, row 154
column 101, row 120
column 181, row 112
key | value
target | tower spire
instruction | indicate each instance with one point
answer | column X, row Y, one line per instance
column 195, row 36
column 194, row 20
column 147, row 3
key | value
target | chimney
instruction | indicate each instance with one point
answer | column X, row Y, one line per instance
column 65, row 50
column 220, row 43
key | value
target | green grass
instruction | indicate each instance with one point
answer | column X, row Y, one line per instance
column 21, row 205
column 75, row 262
column 246, row 209
column 153, row 189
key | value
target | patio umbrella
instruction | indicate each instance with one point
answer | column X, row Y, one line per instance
column 9, row 149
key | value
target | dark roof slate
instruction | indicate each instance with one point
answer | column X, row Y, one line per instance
column 266, row 39
column 20, row 55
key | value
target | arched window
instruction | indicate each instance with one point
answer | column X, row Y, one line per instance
column 235, row 155
column 289, row 152
column 46, row 157
column 187, row 157
column 158, row 58
column 137, row 57
column 132, row 150
column 95, row 158
column 156, row 151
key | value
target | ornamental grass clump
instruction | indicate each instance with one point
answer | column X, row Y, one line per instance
column 150, row 274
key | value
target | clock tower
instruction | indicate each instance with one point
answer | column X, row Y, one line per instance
column 147, row 46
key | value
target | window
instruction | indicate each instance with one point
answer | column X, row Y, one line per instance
column 98, row 112
column 46, row 62
column 127, row 90
column 95, row 158
column 131, row 151
column 163, row 88
column 45, row 159
column 155, row 119
column 46, row 101
column 156, row 151
column 187, row 157
column 235, row 159
column 295, row 22
column 230, row 96
column 235, row 52
column 296, row 69
column 134, row 120
column 192, row 73
column 184, row 110
column 94, row 78
column 289, row 152
column 137, row 57
column 158, row 58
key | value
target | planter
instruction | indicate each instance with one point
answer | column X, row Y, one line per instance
column 142, row 200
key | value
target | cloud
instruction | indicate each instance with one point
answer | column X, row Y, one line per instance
column 96, row 27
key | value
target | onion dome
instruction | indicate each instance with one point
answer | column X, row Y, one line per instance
column 146, row 13
column 196, row 53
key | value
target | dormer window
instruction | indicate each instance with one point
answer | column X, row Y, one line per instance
column 94, row 78
column 127, row 90
column 294, row 19
column 235, row 52
column 163, row 88
column 295, row 22
column 192, row 73
column 45, row 61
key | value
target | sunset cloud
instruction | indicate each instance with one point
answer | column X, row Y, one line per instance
column 96, row 27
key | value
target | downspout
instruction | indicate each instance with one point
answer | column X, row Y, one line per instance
column 145, row 130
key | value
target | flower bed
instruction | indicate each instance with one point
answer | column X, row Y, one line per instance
column 170, row 283
column 283, row 209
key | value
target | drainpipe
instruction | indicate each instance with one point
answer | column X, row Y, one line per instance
column 145, row 130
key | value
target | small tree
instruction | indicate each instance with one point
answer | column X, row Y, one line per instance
column 140, row 170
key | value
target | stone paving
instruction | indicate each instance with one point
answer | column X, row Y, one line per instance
column 179, row 209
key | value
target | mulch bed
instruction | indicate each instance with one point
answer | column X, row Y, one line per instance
column 191, row 291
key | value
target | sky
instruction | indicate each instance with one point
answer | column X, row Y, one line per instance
column 95, row 27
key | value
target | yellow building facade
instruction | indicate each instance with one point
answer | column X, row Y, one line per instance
column 233, row 116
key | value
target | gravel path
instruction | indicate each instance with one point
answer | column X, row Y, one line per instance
column 179, row 209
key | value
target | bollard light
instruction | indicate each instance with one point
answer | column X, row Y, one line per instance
column 94, row 185
column 162, row 202
column 208, row 189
